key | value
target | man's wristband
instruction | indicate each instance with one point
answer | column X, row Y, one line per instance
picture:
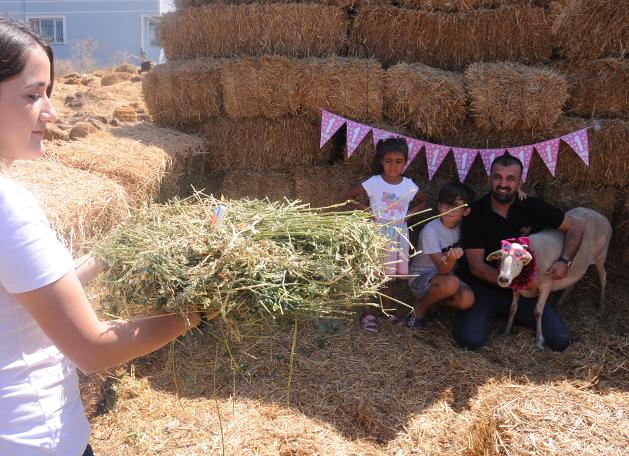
column 565, row 261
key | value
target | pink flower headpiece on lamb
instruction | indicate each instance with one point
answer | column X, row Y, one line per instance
column 518, row 248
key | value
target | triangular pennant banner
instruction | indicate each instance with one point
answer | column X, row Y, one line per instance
column 488, row 156
column 414, row 146
column 330, row 124
column 463, row 158
column 524, row 153
column 579, row 142
column 356, row 132
column 435, row 154
column 379, row 134
column 548, row 151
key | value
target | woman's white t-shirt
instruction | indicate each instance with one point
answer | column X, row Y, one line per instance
column 40, row 406
column 389, row 201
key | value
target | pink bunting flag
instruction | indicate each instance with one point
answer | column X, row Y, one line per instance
column 548, row 151
column 414, row 146
column 578, row 140
column 463, row 158
column 488, row 156
column 356, row 132
column 379, row 134
column 330, row 124
column 435, row 154
column 524, row 153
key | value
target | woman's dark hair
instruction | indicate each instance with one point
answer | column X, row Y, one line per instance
column 16, row 39
column 385, row 146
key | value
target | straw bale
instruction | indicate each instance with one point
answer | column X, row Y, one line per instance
column 591, row 29
column 263, row 87
column 346, row 86
column 276, row 186
column 452, row 40
column 295, row 30
column 81, row 206
column 598, row 88
column 87, row 80
column 566, row 195
column 126, row 68
column 125, row 114
column 115, row 78
column 81, row 130
column 72, row 80
column 147, row 160
column 508, row 96
column 262, row 144
column 452, row 6
column 180, row 93
column 429, row 101
column 98, row 73
column 54, row 132
column 323, row 186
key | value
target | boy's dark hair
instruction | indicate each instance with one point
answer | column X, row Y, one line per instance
column 15, row 41
column 507, row 160
column 384, row 146
column 450, row 193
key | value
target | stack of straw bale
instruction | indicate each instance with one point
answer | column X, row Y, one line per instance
column 298, row 30
column 324, row 186
column 276, row 186
column 81, row 206
column 451, row 6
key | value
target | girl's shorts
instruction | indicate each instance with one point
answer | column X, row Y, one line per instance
column 397, row 256
column 421, row 284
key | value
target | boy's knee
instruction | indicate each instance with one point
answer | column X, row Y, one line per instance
column 450, row 285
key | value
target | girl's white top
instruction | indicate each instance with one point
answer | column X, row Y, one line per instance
column 387, row 201
column 40, row 406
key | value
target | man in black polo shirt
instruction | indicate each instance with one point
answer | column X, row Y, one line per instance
column 502, row 215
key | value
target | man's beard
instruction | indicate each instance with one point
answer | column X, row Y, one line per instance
column 503, row 197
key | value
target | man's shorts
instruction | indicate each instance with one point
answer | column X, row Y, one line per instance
column 420, row 284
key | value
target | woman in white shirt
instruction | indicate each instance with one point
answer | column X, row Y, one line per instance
column 47, row 326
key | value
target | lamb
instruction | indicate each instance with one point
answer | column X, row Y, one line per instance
column 524, row 261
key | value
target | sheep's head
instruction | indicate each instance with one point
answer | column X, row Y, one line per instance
column 514, row 256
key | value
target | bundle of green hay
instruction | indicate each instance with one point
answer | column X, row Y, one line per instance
column 452, row 40
column 262, row 260
column 429, row 101
column 295, row 30
column 508, row 96
column 591, row 29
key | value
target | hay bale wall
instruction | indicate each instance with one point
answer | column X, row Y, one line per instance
column 507, row 96
column 452, row 6
column 324, row 186
column 258, row 184
column 429, row 101
column 296, row 30
column 452, row 40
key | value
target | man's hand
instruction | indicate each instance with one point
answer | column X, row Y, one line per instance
column 456, row 252
column 558, row 270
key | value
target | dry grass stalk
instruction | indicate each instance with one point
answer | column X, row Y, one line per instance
column 295, row 30
column 451, row 6
column 81, row 206
column 276, row 186
column 323, row 186
column 598, row 88
column 591, row 29
column 181, row 93
column 452, row 40
column 429, row 101
column 115, row 78
column 507, row 96
column 261, row 144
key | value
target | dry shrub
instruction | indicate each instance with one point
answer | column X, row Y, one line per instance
column 179, row 93
column 429, row 101
column 126, row 68
column 451, row 6
column 452, row 40
column 144, row 159
column 125, row 114
column 345, row 86
column 265, row 87
column 81, row 130
column 598, row 87
column 115, row 78
column 507, row 96
column 295, row 30
column 261, row 144
column 81, row 206
column 276, row 186
column 590, row 29
column 323, row 186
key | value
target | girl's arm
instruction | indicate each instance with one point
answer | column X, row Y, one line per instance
column 421, row 203
column 357, row 196
column 63, row 312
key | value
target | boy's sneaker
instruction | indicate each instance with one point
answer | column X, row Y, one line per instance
column 416, row 323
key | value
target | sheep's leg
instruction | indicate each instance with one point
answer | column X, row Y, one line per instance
column 544, row 292
column 602, row 277
column 512, row 310
column 564, row 296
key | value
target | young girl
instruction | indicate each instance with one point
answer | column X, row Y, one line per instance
column 390, row 194
column 47, row 326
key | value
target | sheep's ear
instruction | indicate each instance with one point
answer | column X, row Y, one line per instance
column 494, row 256
column 526, row 258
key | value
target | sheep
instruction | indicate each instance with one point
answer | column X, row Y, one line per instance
column 543, row 249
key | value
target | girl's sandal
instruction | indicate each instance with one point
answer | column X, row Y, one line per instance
column 369, row 323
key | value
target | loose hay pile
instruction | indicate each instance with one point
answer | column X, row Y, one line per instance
column 263, row 260
column 115, row 78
